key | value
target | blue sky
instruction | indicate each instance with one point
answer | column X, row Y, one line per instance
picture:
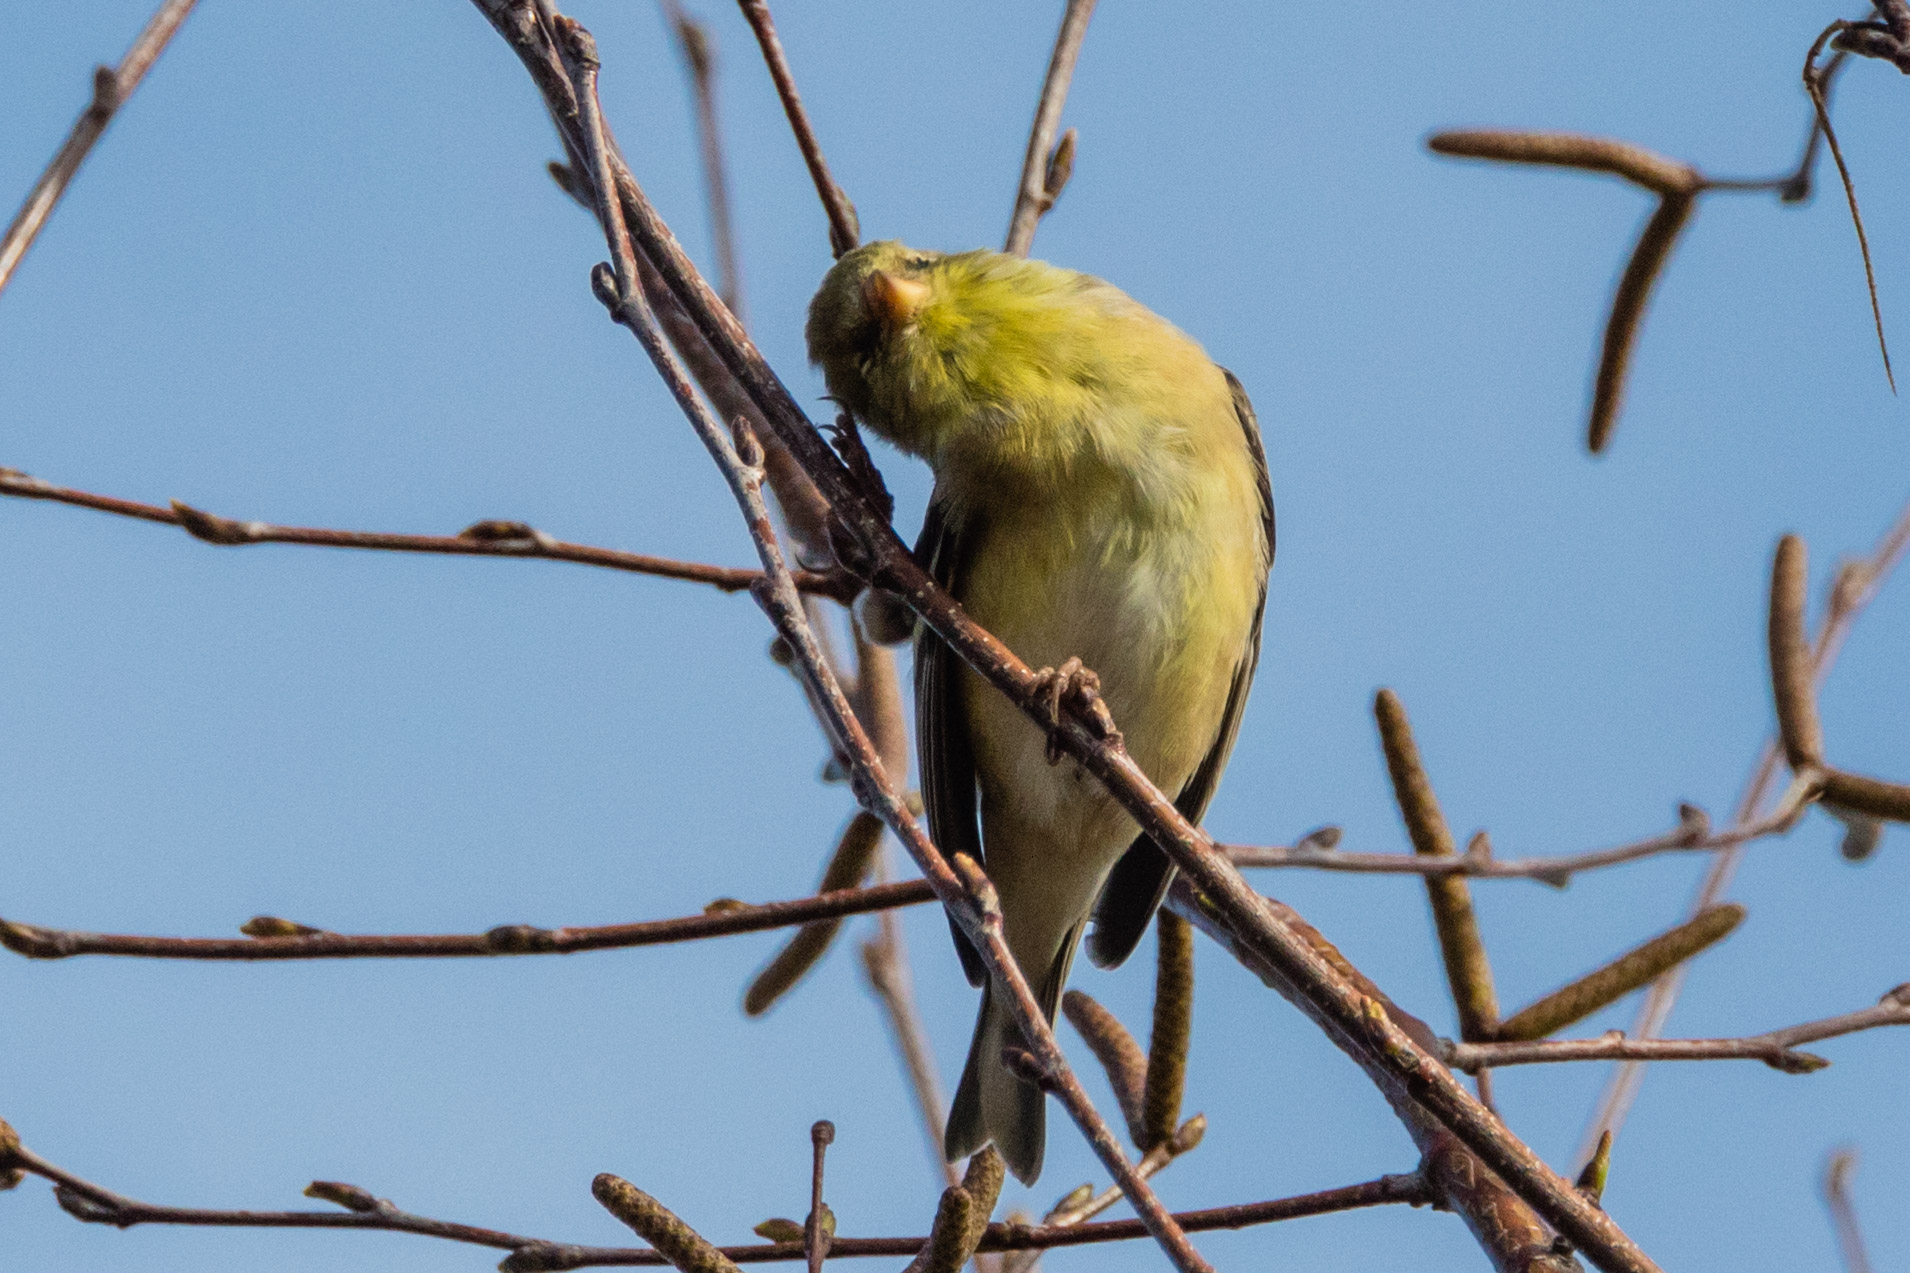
column 315, row 274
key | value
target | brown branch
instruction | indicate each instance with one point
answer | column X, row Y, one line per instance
column 1814, row 83
column 885, row 966
column 281, row 939
column 1857, row 585
column 1046, row 166
column 489, row 538
column 1693, row 835
column 1777, row 1048
column 722, row 918
column 111, row 88
column 1838, row 1170
column 845, row 230
column 96, row 1205
column 1510, row 1231
column 1255, row 930
column 699, row 55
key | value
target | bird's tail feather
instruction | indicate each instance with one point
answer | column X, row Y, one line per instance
column 991, row 1104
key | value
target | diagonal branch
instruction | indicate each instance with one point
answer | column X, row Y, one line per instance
column 1324, row 992
column 845, row 230
column 969, row 898
column 1046, row 167
column 489, row 538
column 111, row 88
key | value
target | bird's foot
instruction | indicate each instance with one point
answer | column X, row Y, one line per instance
column 1075, row 686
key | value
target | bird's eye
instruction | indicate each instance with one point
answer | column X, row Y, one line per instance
column 919, row 262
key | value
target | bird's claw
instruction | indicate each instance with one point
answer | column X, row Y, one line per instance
column 1076, row 686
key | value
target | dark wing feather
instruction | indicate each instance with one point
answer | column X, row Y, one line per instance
column 1143, row 875
column 941, row 722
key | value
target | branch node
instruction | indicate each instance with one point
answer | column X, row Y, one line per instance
column 212, row 528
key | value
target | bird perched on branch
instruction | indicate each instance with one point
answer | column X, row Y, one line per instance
column 1102, row 505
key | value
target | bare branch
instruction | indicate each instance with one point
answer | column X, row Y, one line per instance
column 1693, row 835
column 489, row 538
column 94, row 1204
column 721, row 918
column 1046, row 166
column 699, row 54
column 1814, row 84
column 111, row 88
column 1838, row 1170
column 1776, row 1048
column 845, row 230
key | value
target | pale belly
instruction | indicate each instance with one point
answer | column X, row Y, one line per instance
column 1163, row 618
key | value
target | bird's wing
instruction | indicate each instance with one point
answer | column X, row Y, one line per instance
column 1141, row 878
column 946, row 756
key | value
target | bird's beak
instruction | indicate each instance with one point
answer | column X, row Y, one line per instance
column 891, row 300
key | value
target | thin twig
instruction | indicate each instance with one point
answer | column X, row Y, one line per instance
column 1838, row 1170
column 845, row 230
column 699, row 54
column 1857, row 585
column 819, row 1230
column 94, row 1204
column 1691, row 836
column 722, row 918
column 1776, row 1048
column 1814, row 85
column 489, row 538
column 111, row 88
column 885, row 965
column 1035, row 193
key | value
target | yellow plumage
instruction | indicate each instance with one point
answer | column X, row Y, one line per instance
column 1100, row 493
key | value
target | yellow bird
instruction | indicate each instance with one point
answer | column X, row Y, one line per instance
column 1101, row 494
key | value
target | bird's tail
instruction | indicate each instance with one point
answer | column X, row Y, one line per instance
column 991, row 1104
